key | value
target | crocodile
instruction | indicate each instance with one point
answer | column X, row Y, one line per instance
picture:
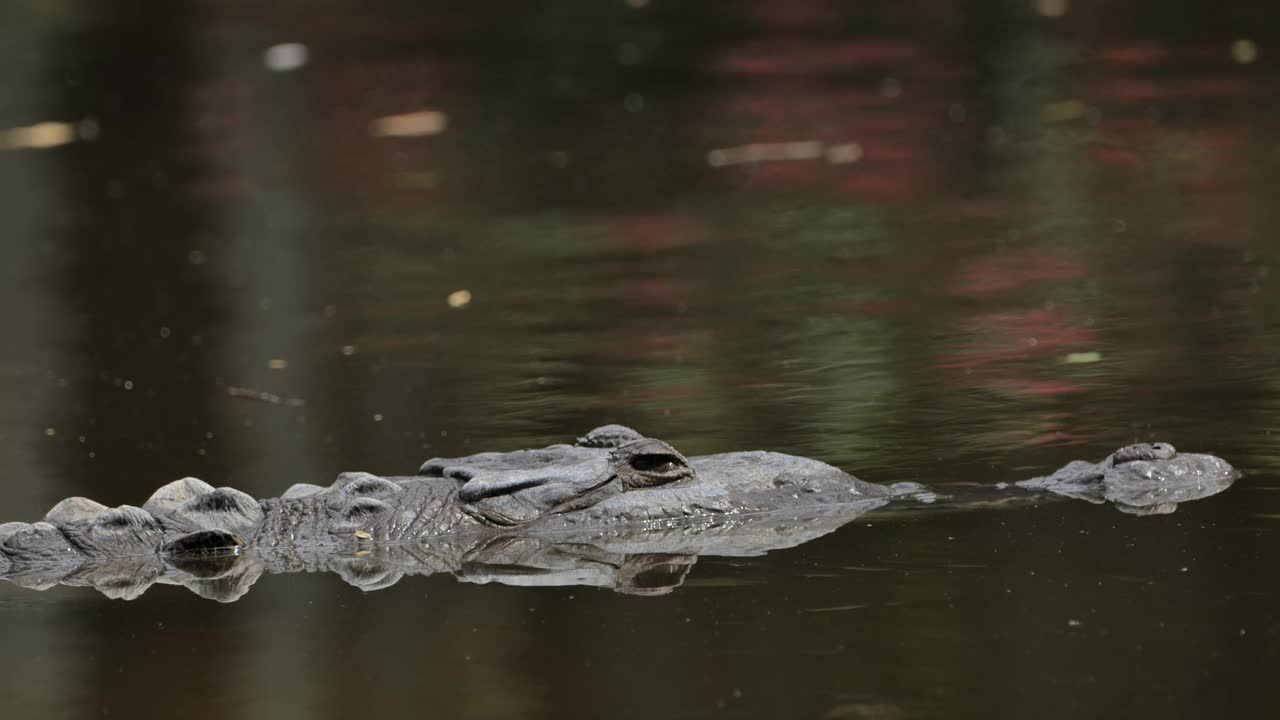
column 614, row 509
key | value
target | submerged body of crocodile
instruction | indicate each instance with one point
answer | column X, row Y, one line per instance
column 616, row 492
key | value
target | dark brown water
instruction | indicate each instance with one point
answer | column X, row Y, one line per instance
column 958, row 243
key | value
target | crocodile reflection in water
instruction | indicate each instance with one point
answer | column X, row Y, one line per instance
column 615, row 509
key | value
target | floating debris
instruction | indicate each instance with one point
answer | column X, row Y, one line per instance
column 1064, row 111
column 285, row 57
column 262, row 396
column 411, row 124
column 837, row 608
column 1244, row 51
column 1052, row 8
column 38, row 136
column 459, row 298
column 844, row 153
column 765, row 152
column 1082, row 357
column 418, row 180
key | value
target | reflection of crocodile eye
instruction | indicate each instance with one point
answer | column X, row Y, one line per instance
column 655, row 463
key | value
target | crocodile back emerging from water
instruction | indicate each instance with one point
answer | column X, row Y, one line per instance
column 615, row 487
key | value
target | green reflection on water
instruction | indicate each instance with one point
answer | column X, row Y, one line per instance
column 1024, row 190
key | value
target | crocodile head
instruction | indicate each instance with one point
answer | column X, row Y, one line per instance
column 516, row 487
column 615, row 474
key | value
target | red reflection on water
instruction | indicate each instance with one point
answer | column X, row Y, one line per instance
column 871, row 109
column 345, row 154
column 655, row 290
column 1116, row 156
column 1013, row 336
column 1055, row 436
column 658, row 394
column 772, row 57
column 654, row 280
column 653, row 345
column 1131, row 55
column 656, row 231
column 219, row 112
column 1014, row 269
column 880, row 308
column 1012, row 353
column 868, row 140
column 1024, row 386
column 1184, row 117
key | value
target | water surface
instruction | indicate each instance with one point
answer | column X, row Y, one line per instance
column 954, row 243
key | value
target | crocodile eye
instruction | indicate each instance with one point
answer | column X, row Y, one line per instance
column 656, row 463
column 648, row 463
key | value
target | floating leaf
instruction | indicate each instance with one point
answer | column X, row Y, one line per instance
column 459, row 298
column 1082, row 357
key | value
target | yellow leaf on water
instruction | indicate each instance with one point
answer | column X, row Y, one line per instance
column 1082, row 357
column 459, row 298
column 1065, row 110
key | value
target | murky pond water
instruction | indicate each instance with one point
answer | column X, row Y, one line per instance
column 953, row 243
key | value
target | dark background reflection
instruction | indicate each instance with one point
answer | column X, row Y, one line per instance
column 952, row 242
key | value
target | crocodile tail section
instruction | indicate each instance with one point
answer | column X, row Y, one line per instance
column 74, row 533
column 191, row 505
column 80, row 539
column 39, row 553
